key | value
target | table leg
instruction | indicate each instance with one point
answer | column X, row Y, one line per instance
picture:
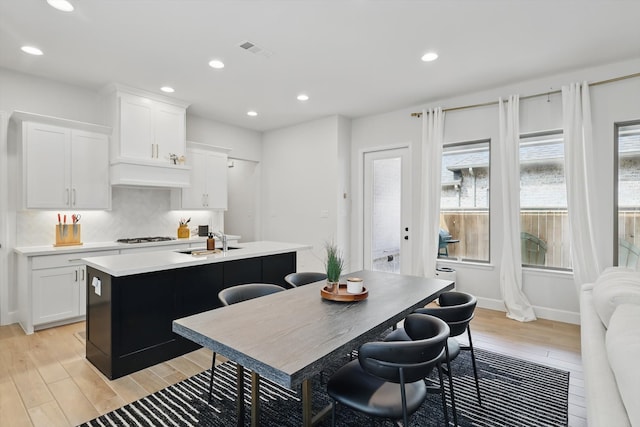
column 307, row 416
column 255, row 399
column 240, row 393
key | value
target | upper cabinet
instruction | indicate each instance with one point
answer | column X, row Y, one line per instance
column 65, row 164
column 208, row 188
column 149, row 138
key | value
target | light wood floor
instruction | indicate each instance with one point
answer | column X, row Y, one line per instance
column 45, row 379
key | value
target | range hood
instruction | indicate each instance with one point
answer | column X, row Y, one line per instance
column 136, row 173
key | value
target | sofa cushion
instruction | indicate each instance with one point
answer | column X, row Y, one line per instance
column 615, row 286
column 623, row 351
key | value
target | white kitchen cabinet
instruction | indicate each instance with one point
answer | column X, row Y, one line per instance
column 208, row 181
column 56, row 294
column 150, row 129
column 52, row 288
column 64, row 167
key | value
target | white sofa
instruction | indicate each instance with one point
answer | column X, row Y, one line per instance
column 610, row 339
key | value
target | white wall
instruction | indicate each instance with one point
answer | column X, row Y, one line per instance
column 244, row 143
column 552, row 293
column 301, row 173
column 243, row 212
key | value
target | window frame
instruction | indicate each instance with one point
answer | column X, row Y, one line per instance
column 551, row 132
column 616, row 167
column 453, row 145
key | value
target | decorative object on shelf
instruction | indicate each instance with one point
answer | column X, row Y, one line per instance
column 334, row 264
column 183, row 229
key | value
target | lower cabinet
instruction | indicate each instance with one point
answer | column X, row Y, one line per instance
column 56, row 294
column 51, row 289
column 129, row 319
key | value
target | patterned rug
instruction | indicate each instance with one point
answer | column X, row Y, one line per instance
column 514, row 393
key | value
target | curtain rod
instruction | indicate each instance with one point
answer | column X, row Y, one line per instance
column 485, row 104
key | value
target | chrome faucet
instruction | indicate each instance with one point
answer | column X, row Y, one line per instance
column 222, row 237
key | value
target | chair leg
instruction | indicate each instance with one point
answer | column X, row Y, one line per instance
column 475, row 369
column 213, row 369
column 333, row 413
column 444, row 398
column 453, row 398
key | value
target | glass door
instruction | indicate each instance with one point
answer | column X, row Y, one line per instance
column 387, row 208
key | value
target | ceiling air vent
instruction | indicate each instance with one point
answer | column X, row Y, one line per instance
column 253, row 48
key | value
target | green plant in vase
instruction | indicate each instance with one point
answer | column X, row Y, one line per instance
column 334, row 264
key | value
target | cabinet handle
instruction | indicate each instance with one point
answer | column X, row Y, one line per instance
column 207, row 199
column 76, row 275
column 73, row 199
column 67, row 196
column 82, row 274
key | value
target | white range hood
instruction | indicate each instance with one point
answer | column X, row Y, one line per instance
column 137, row 173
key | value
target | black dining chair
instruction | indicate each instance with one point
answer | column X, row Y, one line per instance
column 456, row 309
column 234, row 295
column 304, row 278
column 387, row 379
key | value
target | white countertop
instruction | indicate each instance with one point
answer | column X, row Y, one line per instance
column 102, row 246
column 146, row 262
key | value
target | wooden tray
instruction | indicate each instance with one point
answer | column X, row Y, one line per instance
column 343, row 295
column 206, row 252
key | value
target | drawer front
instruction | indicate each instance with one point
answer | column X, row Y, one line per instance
column 64, row 260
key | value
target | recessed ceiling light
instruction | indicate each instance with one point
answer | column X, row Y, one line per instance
column 62, row 5
column 31, row 50
column 216, row 63
column 167, row 89
column 303, row 97
column 252, row 113
column 429, row 56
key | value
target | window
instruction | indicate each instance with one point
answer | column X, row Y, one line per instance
column 464, row 201
column 544, row 223
column 627, row 194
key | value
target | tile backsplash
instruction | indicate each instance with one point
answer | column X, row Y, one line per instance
column 136, row 212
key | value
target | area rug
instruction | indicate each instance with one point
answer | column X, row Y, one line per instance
column 514, row 393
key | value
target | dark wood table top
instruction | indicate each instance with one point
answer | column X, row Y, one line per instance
column 290, row 336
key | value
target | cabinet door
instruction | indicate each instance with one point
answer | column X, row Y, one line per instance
column 216, row 176
column 136, row 127
column 194, row 197
column 56, row 294
column 90, row 187
column 46, row 166
column 170, row 131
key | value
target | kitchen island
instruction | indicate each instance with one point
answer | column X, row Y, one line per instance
column 133, row 299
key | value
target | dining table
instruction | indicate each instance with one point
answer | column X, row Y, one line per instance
column 289, row 337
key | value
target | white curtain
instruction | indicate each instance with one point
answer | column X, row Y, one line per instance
column 576, row 116
column 515, row 301
column 432, row 137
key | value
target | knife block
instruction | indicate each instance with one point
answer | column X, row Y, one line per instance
column 68, row 235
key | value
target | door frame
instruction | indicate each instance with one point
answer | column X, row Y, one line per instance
column 360, row 219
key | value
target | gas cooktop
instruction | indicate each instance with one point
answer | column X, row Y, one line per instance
column 145, row 239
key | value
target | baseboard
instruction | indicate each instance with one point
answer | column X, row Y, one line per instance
column 10, row 318
column 541, row 312
column 557, row 315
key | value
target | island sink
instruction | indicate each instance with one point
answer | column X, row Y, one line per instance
column 199, row 251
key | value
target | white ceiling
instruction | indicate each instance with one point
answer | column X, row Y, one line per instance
column 352, row 57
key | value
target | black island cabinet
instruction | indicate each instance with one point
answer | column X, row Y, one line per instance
column 129, row 318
